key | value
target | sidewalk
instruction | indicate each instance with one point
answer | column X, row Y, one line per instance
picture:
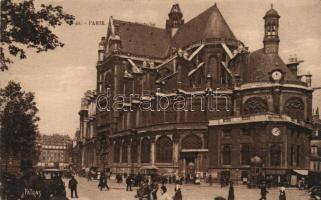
column 88, row 190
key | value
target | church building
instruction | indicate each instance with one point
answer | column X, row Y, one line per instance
column 190, row 99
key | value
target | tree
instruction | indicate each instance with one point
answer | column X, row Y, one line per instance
column 22, row 25
column 18, row 123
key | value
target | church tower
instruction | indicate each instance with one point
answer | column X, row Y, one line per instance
column 271, row 34
column 175, row 19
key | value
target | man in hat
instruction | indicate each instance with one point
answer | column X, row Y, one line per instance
column 282, row 195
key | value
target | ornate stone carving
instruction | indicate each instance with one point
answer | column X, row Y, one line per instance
column 255, row 105
column 294, row 107
column 191, row 142
column 176, row 137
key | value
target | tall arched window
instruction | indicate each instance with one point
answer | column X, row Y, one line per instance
column 164, row 150
column 294, row 107
column 134, row 151
column 124, row 155
column 246, row 152
column 255, row 105
column 108, row 80
column 212, row 68
column 275, row 155
column 145, row 151
column 192, row 142
column 226, row 154
column 116, row 152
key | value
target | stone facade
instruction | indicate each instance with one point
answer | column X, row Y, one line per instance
column 201, row 99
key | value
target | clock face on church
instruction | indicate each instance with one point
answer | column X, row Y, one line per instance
column 276, row 131
column 277, row 75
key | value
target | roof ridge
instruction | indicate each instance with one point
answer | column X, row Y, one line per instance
column 140, row 23
column 206, row 25
column 224, row 21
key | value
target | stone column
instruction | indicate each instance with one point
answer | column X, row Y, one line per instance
column 139, row 152
column 129, row 150
column 153, row 149
column 175, row 149
column 120, row 152
column 276, row 100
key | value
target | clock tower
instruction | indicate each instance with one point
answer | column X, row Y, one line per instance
column 271, row 31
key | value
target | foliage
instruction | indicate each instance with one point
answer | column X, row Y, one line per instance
column 24, row 26
column 18, row 115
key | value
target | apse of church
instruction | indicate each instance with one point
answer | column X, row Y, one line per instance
column 188, row 98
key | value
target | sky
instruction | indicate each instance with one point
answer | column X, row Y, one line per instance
column 59, row 78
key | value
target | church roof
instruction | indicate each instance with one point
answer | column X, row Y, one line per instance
column 259, row 66
column 207, row 25
column 143, row 39
column 146, row 40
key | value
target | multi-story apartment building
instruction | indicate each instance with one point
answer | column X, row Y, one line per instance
column 55, row 151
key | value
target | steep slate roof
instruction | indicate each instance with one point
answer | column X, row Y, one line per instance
column 208, row 24
column 143, row 40
column 259, row 65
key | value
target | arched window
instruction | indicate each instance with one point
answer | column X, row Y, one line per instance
column 246, row 152
column 124, row 155
column 116, row 152
column 192, row 142
column 226, row 154
column 107, row 82
column 212, row 68
column 145, row 150
column 275, row 154
column 255, row 105
column 294, row 107
column 164, row 150
column 134, row 151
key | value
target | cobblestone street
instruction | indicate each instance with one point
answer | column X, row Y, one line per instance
column 87, row 190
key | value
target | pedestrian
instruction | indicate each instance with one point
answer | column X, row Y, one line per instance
column 222, row 182
column 154, row 187
column 178, row 193
column 105, row 185
column 103, row 182
column 263, row 192
column 73, row 187
column 164, row 194
column 146, row 192
column 282, row 195
column 128, row 183
column 231, row 192
column 210, row 179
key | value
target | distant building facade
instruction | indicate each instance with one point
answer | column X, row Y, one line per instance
column 55, row 151
column 76, row 151
column 89, row 141
column 209, row 105
column 315, row 159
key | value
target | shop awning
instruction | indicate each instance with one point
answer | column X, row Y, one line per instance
column 301, row 172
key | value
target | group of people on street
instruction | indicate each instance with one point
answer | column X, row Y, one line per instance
column 148, row 189
column 149, row 192
column 264, row 192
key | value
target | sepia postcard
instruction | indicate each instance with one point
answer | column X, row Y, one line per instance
column 160, row 99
